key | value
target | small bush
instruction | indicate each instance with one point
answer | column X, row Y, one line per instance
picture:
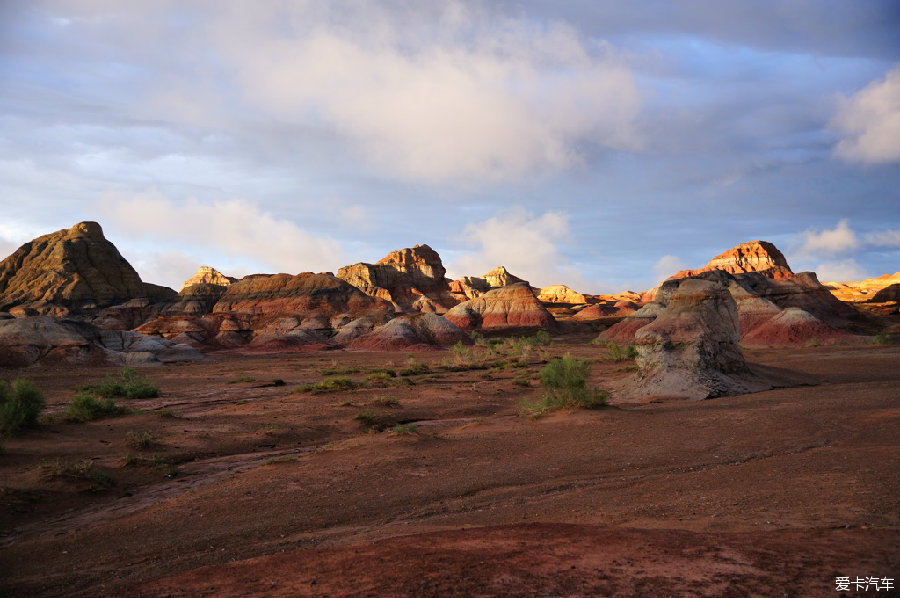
column 387, row 371
column 371, row 420
column 335, row 371
column 414, row 369
column 564, row 382
column 242, row 378
column 87, row 406
column 380, row 379
column 278, row 382
column 339, row 384
column 542, row 338
column 618, row 353
column 140, row 440
column 81, row 470
column 408, row 429
column 157, row 461
column 385, row 402
column 20, row 405
column 166, row 412
column 884, row 339
column 129, row 385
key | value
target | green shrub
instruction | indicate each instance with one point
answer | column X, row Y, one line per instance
column 129, row 385
column 387, row 371
column 140, row 440
column 380, row 379
column 242, row 378
column 338, row 384
column 87, row 406
column 408, row 429
column 618, row 353
column 564, row 381
column 81, row 470
column 371, row 420
column 336, row 371
column 385, row 402
column 20, row 404
column 541, row 338
column 414, row 369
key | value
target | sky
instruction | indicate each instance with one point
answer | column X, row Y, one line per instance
column 601, row 145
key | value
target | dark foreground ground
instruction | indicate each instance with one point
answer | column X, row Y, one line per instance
column 249, row 489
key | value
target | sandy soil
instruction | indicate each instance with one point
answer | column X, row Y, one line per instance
column 257, row 490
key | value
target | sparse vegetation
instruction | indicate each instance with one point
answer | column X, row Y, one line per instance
column 391, row 373
column 281, row 459
column 278, row 382
column 87, row 406
column 336, row 371
column 414, row 369
column 20, row 405
column 564, row 381
column 378, row 379
column 242, row 378
column 129, row 384
column 370, row 420
column 407, row 429
column 81, row 470
column 884, row 339
column 616, row 352
column 140, row 440
column 385, row 401
column 157, row 461
column 166, row 412
column 338, row 384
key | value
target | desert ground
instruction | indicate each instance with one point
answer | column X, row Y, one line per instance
column 253, row 488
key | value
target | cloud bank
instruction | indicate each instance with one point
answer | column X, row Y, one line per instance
column 870, row 122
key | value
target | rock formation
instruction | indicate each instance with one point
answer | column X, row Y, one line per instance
column 755, row 256
column 411, row 279
column 888, row 293
column 470, row 287
column 412, row 332
column 26, row 341
column 511, row 306
column 691, row 349
column 794, row 326
column 560, row 293
column 208, row 275
column 71, row 271
column 857, row 291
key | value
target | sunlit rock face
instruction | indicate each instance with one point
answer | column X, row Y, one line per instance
column 412, row 279
column 691, row 349
column 470, row 287
column 208, row 275
column 756, row 256
column 560, row 293
column 420, row 331
column 71, row 271
column 510, row 306
column 858, row 291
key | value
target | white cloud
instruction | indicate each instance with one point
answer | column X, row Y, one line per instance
column 829, row 241
column 870, row 122
column 841, row 270
column 235, row 228
column 441, row 93
column 167, row 268
column 666, row 266
column 887, row 238
column 524, row 243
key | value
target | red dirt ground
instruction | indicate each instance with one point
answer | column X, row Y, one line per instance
column 282, row 493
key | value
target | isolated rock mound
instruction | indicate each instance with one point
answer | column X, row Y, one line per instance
column 411, row 279
column 756, row 256
column 73, row 270
column 795, row 326
column 413, row 331
column 26, row 341
column 691, row 349
column 511, row 306
column 560, row 293
column 207, row 275
column 888, row 293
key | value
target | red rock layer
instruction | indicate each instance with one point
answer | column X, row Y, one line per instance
column 756, row 256
column 507, row 307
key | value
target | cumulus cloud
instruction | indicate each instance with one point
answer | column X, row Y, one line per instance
column 525, row 243
column 840, row 239
column 886, row 238
column 841, row 270
column 666, row 266
column 870, row 122
column 445, row 92
column 236, row 228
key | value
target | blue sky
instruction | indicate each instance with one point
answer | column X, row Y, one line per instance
column 602, row 145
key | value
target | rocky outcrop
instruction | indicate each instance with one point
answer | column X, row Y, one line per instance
column 794, row 326
column 411, row 279
column 758, row 299
column 888, row 293
column 756, row 256
column 511, row 306
column 207, row 275
column 423, row 331
column 691, row 349
column 72, row 271
column 471, row 287
column 560, row 293
column 274, row 311
column 42, row 339
column 857, row 291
